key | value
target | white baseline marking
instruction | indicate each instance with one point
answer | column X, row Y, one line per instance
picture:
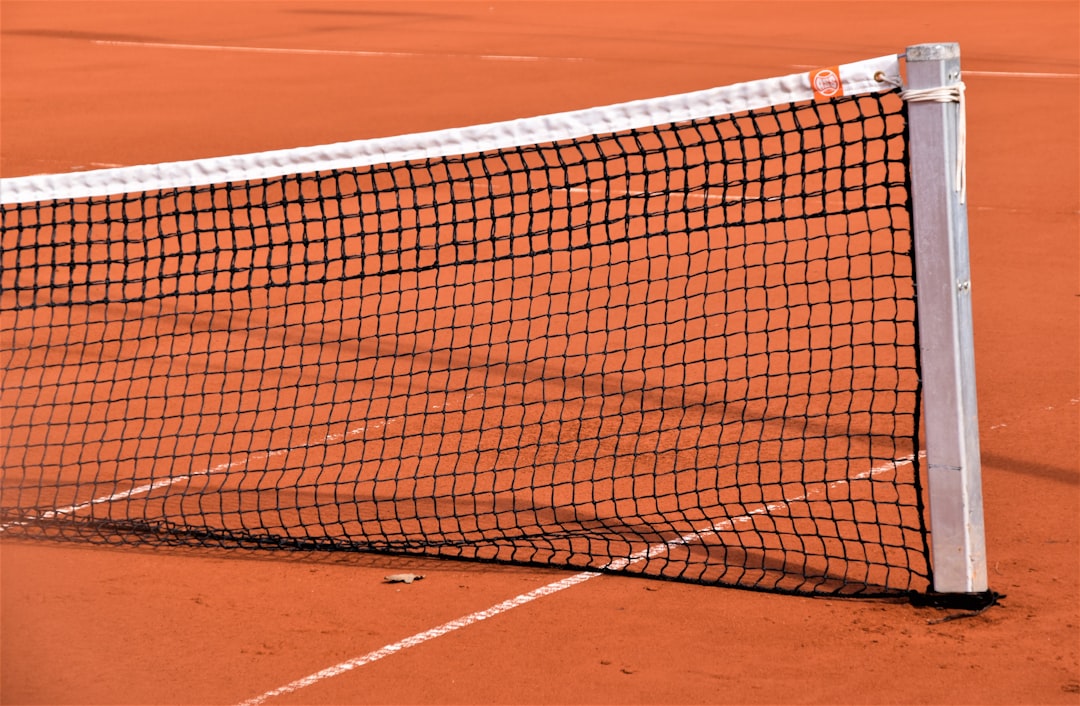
column 331, row 52
column 546, row 590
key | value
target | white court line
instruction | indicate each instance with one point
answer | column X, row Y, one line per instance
column 547, row 590
column 123, row 495
column 331, row 52
column 1018, row 74
column 482, row 57
column 989, row 74
column 699, row 196
column 172, row 480
column 831, row 198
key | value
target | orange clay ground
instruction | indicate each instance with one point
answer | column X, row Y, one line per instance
column 92, row 84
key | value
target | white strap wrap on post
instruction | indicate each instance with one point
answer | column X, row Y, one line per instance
column 948, row 94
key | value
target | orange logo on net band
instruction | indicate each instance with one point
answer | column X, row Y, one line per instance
column 826, row 83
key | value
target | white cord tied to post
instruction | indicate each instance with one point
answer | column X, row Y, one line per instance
column 948, row 94
column 942, row 94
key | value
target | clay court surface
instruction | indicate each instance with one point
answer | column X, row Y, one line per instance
column 87, row 85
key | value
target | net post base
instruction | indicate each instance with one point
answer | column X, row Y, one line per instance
column 976, row 602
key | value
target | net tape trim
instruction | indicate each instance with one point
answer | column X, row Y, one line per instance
column 869, row 76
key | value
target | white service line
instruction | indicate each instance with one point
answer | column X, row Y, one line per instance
column 172, row 480
column 481, row 57
column 123, row 495
column 331, row 52
column 547, row 590
column 698, row 196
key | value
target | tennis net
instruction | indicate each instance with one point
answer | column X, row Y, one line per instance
column 673, row 337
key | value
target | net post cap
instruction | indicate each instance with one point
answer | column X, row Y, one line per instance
column 933, row 52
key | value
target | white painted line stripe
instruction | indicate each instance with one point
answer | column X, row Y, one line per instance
column 546, row 590
column 123, row 495
column 1018, row 74
column 451, row 55
column 172, row 480
column 705, row 195
column 331, row 52
column 990, row 74
column 96, row 165
column 422, row 637
column 702, row 195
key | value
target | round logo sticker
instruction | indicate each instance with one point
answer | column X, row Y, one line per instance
column 826, row 83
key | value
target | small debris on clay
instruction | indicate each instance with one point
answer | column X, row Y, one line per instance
column 403, row 578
